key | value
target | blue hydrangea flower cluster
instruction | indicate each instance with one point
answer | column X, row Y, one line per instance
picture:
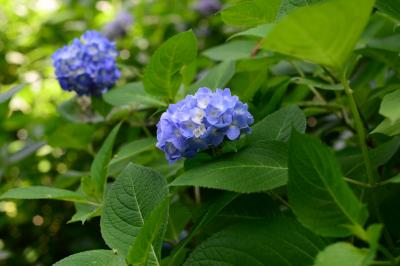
column 201, row 121
column 87, row 66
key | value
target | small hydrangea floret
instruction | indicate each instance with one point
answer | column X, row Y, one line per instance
column 87, row 66
column 201, row 121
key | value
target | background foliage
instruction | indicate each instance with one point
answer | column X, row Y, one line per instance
column 316, row 183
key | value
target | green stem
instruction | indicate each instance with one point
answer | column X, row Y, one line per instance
column 358, row 183
column 359, row 128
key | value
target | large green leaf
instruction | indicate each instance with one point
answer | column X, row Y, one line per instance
column 353, row 165
column 130, row 200
column 217, row 77
column 210, row 212
column 99, row 167
column 318, row 194
column 251, row 12
column 162, row 77
column 99, row 257
column 342, row 254
column 277, row 241
column 278, row 125
column 134, row 95
column 41, row 192
column 324, row 33
column 390, row 106
column 138, row 253
column 257, row 168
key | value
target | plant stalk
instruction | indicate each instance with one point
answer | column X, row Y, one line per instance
column 360, row 130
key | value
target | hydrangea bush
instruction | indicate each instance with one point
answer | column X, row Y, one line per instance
column 278, row 146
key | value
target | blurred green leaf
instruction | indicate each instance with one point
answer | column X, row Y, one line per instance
column 317, row 192
column 342, row 254
column 393, row 180
column 324, row 33
column 234, row 50
column 132, row 94
column 42, row 192
column 388, row 127
column 317, row 84
column 65, row 136
column 162, row 77
column 390, row 106
column 99, row 167
column 216, row 77
column 390, row 7
column 10, row 93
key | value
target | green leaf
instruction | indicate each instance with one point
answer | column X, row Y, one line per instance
column 61, row 137
column 246, row 84
column 210, row 212
column 393, row 180
column 162, row 77
column 260, row 31
column 134, row 95
column 317, row 192
column 277, row 241
column 10, row 93
column 130, row 200
column 99, row 257
column 257, row 168
column 388, row 127
column 342, row 254
column 390, row 106
column 234, row 50
column 128, row 152
column 178, row 218
column 278, row 125
column 99, row 167
column 251, row 13
column 324, row 33
column 390, row 7
column 84, row 212
column 354, row 166
column 138, row 253
column 41, row 192
column 217, row 77
column 389, row 58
